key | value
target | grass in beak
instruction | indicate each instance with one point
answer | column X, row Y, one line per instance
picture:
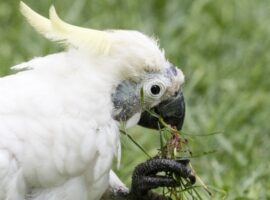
column 174, row 145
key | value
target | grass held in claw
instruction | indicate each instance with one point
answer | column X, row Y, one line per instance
column 173, row 145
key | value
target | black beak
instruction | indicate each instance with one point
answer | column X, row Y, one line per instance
column 172, row 112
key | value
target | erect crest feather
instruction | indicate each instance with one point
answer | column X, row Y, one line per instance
column 57, row 30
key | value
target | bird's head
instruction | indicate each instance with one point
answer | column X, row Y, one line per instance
column 148, row 84
column 144, row 80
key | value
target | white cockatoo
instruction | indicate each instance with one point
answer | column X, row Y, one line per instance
column 60, row 114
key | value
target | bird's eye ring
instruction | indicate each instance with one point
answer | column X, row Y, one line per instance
column 155, row 89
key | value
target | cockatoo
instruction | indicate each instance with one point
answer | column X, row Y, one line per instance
column 60, row 114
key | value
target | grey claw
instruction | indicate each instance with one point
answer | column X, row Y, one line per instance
column 145, row 176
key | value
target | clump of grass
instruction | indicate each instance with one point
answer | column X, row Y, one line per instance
column 174, row 145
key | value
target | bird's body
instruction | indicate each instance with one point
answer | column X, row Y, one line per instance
column 60, row 114
column 56, row 129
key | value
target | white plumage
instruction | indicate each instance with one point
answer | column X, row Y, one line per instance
column 58, row 137
column 56, row 125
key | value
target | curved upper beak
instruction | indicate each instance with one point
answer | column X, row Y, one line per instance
column 172, row 112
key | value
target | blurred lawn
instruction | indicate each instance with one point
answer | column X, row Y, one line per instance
column 223, row 49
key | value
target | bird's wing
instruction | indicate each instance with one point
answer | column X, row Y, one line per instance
column 50, row 130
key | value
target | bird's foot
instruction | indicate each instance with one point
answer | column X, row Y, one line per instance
column 145, row 177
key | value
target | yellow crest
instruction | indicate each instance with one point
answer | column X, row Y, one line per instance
column 57, row 30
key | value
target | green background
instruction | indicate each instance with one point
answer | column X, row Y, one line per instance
column 223, row 48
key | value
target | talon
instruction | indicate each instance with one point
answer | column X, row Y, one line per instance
column 184, row 161
column 192, row 179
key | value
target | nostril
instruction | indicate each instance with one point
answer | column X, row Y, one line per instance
column 176, row 93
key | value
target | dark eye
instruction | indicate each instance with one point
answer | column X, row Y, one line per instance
column 155, row 89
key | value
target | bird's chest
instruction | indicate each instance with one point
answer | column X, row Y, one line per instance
column 94, row 180
column 97, row 176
